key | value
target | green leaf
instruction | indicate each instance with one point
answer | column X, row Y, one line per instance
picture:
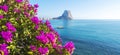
column 4, row 27
column 30, row 53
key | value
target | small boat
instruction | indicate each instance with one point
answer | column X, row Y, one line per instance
column 60, row 27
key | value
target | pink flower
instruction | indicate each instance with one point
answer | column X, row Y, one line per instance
column 5, row 8
column 7, row 36
column 33, row 48
column 19, row 1
column 35, row 20
column 42, row 38
column 59, row 39
column 43, row 51
column 27, row 14
column 48, row 25
column 36, row 5
column 29, row 6
column 16, row 10
column 1, row 16
column 41, row 32
column 35, row 10
column 10, row 27
column 51, row 37
column 3, row 48
column 56, row 33
column 36, row 27
column 58, row 48
column 0, row 7
column 69, row 47
column 47, row 22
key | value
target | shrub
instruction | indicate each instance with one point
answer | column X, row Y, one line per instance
column 22, row 33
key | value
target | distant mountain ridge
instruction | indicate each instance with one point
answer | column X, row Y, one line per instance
column 66, row 15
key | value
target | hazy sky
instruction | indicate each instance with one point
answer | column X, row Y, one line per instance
column 82, row 9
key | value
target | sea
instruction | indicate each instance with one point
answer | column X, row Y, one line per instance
column 90, row 37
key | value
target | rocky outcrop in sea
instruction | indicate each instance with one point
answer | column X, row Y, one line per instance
column 66, row 15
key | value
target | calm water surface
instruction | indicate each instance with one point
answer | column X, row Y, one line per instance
column 91, row 37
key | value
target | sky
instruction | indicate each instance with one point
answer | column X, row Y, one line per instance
column 80, row 9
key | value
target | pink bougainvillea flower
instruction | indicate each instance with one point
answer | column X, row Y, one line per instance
column 56, row 33
column 47, row 22
column 42, row 38
column 1, row 16
column 7, row 36
column 35, row 10
column 36, row 27
column 3, row 49
column 69, row 47
column 51, row 37
column 59, row 39
column 33, row 48
column 29, row 6
column 48, row 25
column 0, row 7
column 36, row 5
column 40, row 21
column 16, row 10
column 43, row 51
column 27, row 14
column 5, row 8
column 10, row 27
column 35, row 20
column 58, row 48
column 41, row 32
column 19, row 1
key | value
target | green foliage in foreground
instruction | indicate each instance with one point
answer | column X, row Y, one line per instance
column 22, row 33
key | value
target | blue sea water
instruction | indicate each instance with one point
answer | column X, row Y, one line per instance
column 91, row 37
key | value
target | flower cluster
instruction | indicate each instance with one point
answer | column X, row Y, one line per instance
column 4, row 7
column 19, row 1
column 1, row 16
column 16, row 10
column 22, row 32
column 45, row 38
column 36, row 6
column 48, row 25
column 69, row 47
column 33, row 48
column 26, row 14
column 10, row 27
column 3, row 49
column 43, row 51
column 42, row 38
column 35, row 20
column 7, row 36
column 51, row 37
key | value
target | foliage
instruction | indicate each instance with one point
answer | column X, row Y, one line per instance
column 22, row 33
